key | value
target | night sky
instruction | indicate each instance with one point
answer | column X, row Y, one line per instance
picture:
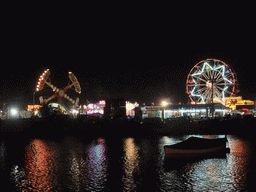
column 139, row 61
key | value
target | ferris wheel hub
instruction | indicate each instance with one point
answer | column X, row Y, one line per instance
column 209, row 84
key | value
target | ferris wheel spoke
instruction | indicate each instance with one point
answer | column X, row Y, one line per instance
column 228, row 76
column 208, row 74
column 208, row 97
column 215, row 94
column 218, row 93
column 224, row 90
column 196, row 77
column 217, row 76
column 217, row 87
column 211, row 94
column 219, row 80
column 206, row 93
column 213, row 74
column 220, row 88
column 223, row 84
column 198, row 85
column 218, row 84
column 193, row 85
column 202, row 89
column 202, row 79
column 229, row 82
column 205, row 76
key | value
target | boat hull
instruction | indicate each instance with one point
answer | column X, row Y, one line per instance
column 177, row 153
column 196, row 147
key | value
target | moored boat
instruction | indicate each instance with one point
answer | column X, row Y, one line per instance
column 196, row 147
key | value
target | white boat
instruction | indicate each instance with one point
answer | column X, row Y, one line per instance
column 196, row 147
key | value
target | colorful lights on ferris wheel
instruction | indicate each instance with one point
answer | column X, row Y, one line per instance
column 210, row 79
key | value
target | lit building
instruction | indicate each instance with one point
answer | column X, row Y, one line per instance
column 110, row 108
column 34, row 108
column 184, row 110
column 94, row 109
column 237, row 103
column 130, row 108
column 30, row 110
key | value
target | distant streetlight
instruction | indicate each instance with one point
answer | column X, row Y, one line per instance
column 164, row 103
column 14, row 112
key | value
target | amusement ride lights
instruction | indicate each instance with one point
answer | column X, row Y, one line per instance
column 58, row 92
column 210, row 80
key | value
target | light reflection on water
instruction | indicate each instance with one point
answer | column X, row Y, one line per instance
column 40, row 165
column 96, row 165
column 131, row 159
column 87, row 165
column 75, row 165
column 216, row 174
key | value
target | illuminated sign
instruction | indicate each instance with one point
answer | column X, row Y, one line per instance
column 34, row 107
column 98, row 108
column 130, row 108
column 102, row 102
column 95, row 108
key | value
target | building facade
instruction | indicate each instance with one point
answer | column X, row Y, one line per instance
column 237, row 103
column 185, row 110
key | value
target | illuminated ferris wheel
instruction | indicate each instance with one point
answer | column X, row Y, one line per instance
column 211, row 80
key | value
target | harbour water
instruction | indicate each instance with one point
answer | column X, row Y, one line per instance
column 121, row 164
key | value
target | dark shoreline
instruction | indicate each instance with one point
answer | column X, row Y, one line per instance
column 59, row 126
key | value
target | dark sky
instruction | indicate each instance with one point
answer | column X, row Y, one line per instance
column 140, row 61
